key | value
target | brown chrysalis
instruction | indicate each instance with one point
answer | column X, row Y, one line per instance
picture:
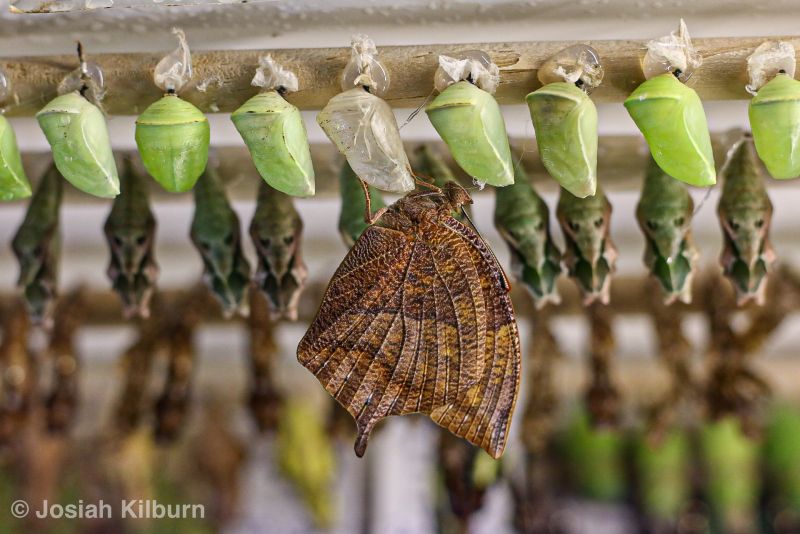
column 418, row 319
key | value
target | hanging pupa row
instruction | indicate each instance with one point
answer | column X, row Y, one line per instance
column 172, row 135
column 664, row 213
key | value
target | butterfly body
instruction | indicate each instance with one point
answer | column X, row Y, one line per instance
column 417, row 318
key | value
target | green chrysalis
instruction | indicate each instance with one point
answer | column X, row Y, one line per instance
column 565, row 122
column 277, row 230
column 589, row 255
column 351, row 218
column 730, row 464
column 470, row 122
column 37, row 246
column 594, row 458
column 745, row 215
column 13, row 182
column 664, row 214
column 275, row 134
column 77, row 133
column 130, row 230
column 523, row 220
column 775, row 121
column 216, row 233
column 173, row 138
column 664, row 474
column 671, row 118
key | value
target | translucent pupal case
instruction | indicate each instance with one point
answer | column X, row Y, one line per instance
column 775, row 122
column 362, row 125
column 565, row 121
column 364, row 129
column 671, row 118
column 470, row 122
column 13, row 182
column 173, row 137
column 77, row 133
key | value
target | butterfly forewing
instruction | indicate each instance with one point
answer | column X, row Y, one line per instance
column 419, row 320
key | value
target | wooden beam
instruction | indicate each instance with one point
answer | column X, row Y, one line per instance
column 224, row 76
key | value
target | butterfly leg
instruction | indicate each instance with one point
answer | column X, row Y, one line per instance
column 370, row 217
column 425, row 182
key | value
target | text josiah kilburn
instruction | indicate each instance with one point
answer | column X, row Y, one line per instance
column 128, row 509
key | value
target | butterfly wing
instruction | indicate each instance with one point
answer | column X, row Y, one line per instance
column 419, row 323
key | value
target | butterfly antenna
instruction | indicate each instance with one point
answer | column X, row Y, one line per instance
column 469, row 219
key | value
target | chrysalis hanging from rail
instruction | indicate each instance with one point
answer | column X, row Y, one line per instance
column 274, row 131
column 468, row 118
column 37, row 246
column 351, row 216
column 76, row 130
column 172, row 134
column 670, row 114
column 217, row 235
column 775, row 109
column 589, row 256
column 277, row 231
column 130, row 232
column 565, row 118
column 664, row 214
column 362, row 125
column 523, row 221
column 745, row 215
column 13, row 182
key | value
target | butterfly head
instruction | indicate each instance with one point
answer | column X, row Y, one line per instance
column 456, row 195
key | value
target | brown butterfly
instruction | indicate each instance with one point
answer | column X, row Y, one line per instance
column 417, row 319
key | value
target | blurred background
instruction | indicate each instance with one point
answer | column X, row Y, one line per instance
column 264, row 447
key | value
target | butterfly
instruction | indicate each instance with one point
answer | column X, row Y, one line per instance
column 418, row 319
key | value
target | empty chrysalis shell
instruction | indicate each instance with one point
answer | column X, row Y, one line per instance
column 275, row 134
column 363, row 128
column 671, row 118
column 775, row 110
column 13, row 182
column 670, row 115
column 77, row 133
column 470, row 122
column 173, row 137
